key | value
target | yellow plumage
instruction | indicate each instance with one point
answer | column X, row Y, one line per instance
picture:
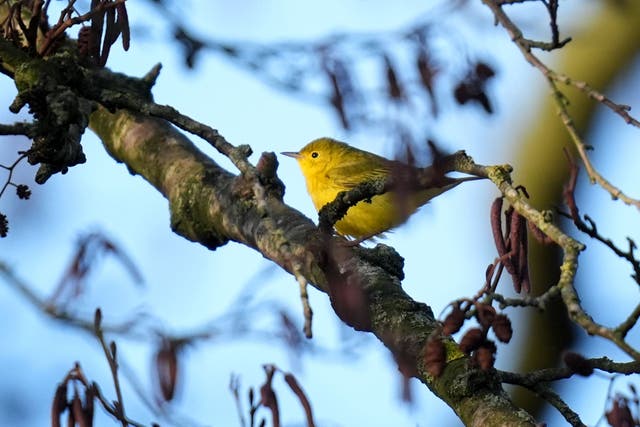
column 331, row 166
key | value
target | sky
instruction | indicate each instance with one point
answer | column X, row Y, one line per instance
column 185, row 285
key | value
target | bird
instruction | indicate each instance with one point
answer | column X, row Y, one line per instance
column 330, row 166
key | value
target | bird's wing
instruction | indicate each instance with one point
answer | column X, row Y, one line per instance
column 352, row 174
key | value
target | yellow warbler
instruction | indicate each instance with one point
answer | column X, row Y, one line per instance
column 331, row 166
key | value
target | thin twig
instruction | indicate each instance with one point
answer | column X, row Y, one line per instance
column 238, row 155
column 63, row 25
column 571, row 248
column 588, row 225
column 11, row 170
column 552, row 77
column 306, row 307
column 110, row 354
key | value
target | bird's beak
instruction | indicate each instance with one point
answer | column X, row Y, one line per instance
column 293, row 154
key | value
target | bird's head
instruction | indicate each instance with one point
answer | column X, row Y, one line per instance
column 318, row 155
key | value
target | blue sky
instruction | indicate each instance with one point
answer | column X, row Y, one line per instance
column 187, row 285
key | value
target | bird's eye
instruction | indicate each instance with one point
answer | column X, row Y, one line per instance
column 314, row 154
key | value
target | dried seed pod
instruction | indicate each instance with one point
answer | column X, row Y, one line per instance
column 515, row 237
column 485, row 314
column 84, row 41
column 577, row 363
column 59, row 404
column 484, row 71
column 337, row 99
column 268, row 397
column 97, row 319
column 394, row 88
column 167, row 369
column 122, row 23
column 485, row 355
column 4, row 225
column 472, row 87
column 523, row 257
column 426, row 70
column 454, row 320
column 435, row 356
column 88, row 408
column 620, row 414
column 23, row 192
column 502, row 328
column 496, row 228
column 471, row 340
column 97, row 25
column 78, row 413
column 304, row 401
column 539, row 235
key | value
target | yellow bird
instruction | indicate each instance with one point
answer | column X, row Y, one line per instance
column 331, row 166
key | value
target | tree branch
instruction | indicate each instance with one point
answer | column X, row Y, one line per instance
column 211, row 206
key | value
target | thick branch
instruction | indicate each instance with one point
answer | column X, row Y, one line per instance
column 211, row 206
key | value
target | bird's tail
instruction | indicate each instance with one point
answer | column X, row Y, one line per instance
column 442, row 185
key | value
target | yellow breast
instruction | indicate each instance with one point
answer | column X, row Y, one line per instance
column 368, row 217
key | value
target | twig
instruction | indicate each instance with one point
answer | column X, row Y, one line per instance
column 590, row 229
column 11, row 170
column 64, row 24
column 19, row 128
column 560, row 373
column 547, row 393
column 234, row 386
column 537, row 381
column 306, row 307
column 112, row 410
column 581, row 148
column 77, row 374
column 552, row 77
column 238, row 155
column 623, row 328
column 110, row 353
column 571, row 248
